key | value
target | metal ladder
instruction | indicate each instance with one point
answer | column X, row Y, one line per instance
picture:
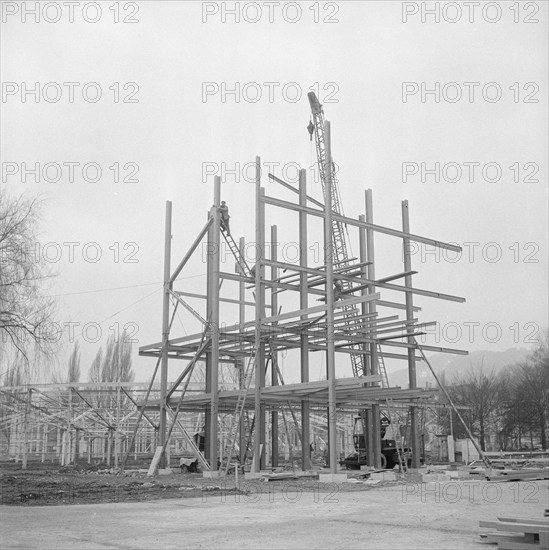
column 191, row 442
column 240, row 260
column 381, row 367
column 238, row 412
column 407, row 427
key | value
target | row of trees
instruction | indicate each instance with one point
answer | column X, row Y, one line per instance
column 28, row 337
column 112, row 365
column 512, row 403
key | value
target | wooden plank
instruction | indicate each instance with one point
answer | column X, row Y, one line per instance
column 529, row 521
column 153, row 468
column 514, row 527
column 524, row 471
column 520, row 477
column 515, row 545
column 498, row 538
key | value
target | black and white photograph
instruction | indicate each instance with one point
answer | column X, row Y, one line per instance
column 274, row 274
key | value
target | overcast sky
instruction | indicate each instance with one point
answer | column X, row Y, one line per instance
column 166, row 121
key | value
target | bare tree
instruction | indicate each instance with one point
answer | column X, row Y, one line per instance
column 94, row 374
column 73, row 374
column 116, row 364
column 17, row 373
column 481, row 393
column 25, row 311
column 533, row 384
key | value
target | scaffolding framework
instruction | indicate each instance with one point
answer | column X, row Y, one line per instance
column 357, row 320
column 90, row 422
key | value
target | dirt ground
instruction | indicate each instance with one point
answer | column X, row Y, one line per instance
column 47, row 484
column 44, row 484
column 68, row 508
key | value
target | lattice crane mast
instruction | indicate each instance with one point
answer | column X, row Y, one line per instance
column 340, row 245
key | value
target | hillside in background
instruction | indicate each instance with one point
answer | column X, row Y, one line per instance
column 452, row 365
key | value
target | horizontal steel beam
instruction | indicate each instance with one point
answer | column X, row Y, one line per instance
column 357, row 223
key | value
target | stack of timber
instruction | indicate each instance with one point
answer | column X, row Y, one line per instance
column 523, row 474
column 517, row 533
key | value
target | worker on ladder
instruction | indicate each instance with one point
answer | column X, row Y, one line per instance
column 338, row 292
column 224, row 211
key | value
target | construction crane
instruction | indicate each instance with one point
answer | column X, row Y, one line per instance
column 316, row 127
column 341, row 250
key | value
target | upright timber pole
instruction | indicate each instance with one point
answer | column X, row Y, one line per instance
column 411, row 340
column 165, row 330
column 304, row 339
column 259, row 439
column 330, row 342
column 274, row 361
column 213, row 319
column 374, row 418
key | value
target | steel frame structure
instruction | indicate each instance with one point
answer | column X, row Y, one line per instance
column 327, row 328
column 66, row 423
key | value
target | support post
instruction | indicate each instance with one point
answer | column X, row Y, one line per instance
column 58, row 444
column 330, row 342
column 76, row 446
column 109, row 447
column 374, row 416
column 411, row 351
column 363, row 256
column 68, row 434
column 26, row 423
column 241, row 363
column 209, row 260
column 44, row 442
column 213, row 318
column 259, row 439
column 304, row 339
column 274, row 361
column 165, row 330
column 366, row 414
column 117, row 441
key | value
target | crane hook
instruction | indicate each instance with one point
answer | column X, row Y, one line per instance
column 311, row 128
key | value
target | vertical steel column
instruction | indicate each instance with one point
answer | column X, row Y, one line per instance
column 366, row 414
column 274, row 361
column 241, row 362
column 214, row 324
column 304, row 339
column 330, row 343
column 411, row 351
column 259, row 439
column 374, row 418
column 26, row 422
column 364, row 306
column 165, row 329
column 208, row 385
column 44, row 442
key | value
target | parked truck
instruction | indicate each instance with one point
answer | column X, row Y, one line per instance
column 389, row 449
